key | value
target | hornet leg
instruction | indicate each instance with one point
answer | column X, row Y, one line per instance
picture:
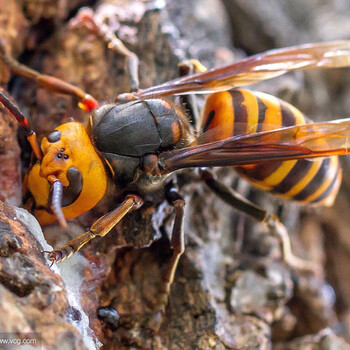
column 178, row 246
column 190, row 101
column 277, row 229
column 99, row 228
column 86, row 101
column 94, row 22
column 23, row 122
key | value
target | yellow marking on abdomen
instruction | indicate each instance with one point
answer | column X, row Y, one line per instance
column 331, row 172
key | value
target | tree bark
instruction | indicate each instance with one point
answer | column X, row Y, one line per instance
column 231, row 289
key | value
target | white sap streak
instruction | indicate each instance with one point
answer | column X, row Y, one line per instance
column 71, row 272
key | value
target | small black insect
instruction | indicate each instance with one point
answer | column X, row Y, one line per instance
column 109, row 317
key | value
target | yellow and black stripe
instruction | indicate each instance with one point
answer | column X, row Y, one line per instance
column 241, row 111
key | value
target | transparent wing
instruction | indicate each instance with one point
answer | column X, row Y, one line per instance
column 301, row 141
column 256, row 68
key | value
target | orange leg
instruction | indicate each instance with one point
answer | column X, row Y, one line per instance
column 95, row 24
column 23, row 122
column 99, row 228
column 86, row 101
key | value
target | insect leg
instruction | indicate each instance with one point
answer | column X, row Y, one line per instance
column 99, row 228
column 276, row 228
column 86, row 101
column 94, row 23
column 23, row 122
column 190, row 101
column 195, row 66
column 178, row 246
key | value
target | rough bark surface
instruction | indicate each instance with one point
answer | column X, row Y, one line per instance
column 231, row 290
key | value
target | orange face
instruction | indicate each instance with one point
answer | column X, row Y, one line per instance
column 69, row 155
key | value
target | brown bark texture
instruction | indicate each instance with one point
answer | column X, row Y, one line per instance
column 231, row 289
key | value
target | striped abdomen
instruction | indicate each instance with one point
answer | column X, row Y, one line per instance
column 242, row 112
